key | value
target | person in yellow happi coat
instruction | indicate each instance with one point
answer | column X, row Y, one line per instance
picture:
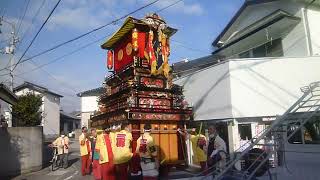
column 199, row 148
column 85, row 152
column 104, row 148
column 121, row 147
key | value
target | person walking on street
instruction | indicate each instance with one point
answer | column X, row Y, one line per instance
column 62, row 145
column 122, row 151
column 148, row 154
column 216, row 149
column 104, row 148
column 85, row 152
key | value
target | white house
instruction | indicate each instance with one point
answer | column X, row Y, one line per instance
column 50, row 107
column 89, row 104
column 265, row 54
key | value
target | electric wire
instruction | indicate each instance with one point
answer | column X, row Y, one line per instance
column 25, row 33
column 22, row 18
column 34, row 38
column 83, row 35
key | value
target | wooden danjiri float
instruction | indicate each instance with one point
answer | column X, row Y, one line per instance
column 141, row 90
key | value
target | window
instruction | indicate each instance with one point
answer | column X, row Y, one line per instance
column 309, row 134
column 296, row 138
column 245, row 55
column 245, row 131
column 270, row 49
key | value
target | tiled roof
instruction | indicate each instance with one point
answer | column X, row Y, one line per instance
column 7, row 95
column 184, row 67
column 92, row 92
column 35, row 88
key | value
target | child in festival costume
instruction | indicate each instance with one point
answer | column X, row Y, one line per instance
column 148, row 154
column 122, row 151
column 104, row 147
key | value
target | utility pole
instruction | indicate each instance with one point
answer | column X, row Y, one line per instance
column 10, row 49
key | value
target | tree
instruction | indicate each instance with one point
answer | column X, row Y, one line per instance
column 26, row 112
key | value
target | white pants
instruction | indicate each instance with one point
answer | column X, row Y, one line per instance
column 149, row 169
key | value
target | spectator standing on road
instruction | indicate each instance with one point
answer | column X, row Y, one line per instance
column 85, row 152
column 62, row 145
column 217, row 149
column 122, row 151
column 148, row 154
column 104, row 148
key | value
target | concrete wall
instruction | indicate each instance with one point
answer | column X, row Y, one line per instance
column 242, row 88
column 268, row 87
column 21, row 150
column 89, row 104
column 295, row 44
column 313, row 15
column 51, row 115
column 208, row 91
column 85, row 117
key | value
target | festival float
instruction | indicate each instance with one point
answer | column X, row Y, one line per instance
column 140, row 88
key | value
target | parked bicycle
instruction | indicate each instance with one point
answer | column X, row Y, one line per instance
column 55, row 161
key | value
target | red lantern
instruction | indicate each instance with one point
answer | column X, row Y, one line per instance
column 110, row 60
column 135, row 39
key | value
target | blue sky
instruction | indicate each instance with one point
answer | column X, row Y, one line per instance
column 198, row 23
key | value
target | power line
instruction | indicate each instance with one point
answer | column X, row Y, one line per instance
column 24, row 14
column 85, row 34
column 25, row 33
column 86, row 45
column 34, row 38
column 164, row 8
column 82, row 47
column 65, row 55
column 189, row 48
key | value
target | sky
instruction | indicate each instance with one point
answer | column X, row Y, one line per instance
column 198, row 23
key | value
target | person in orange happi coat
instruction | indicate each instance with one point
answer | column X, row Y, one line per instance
column 85, row 152
column 122, row 151
column 104, row 147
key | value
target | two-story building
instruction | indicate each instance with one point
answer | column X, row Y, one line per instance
column 89, row 104
column 50, row 107
column 265, row 54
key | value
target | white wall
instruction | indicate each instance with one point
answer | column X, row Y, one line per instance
column 50, row 109
column 313, row 15
column 89, row 104
column 248, row 87
column 51, row 115
column 208, row 91
column 269, row 87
